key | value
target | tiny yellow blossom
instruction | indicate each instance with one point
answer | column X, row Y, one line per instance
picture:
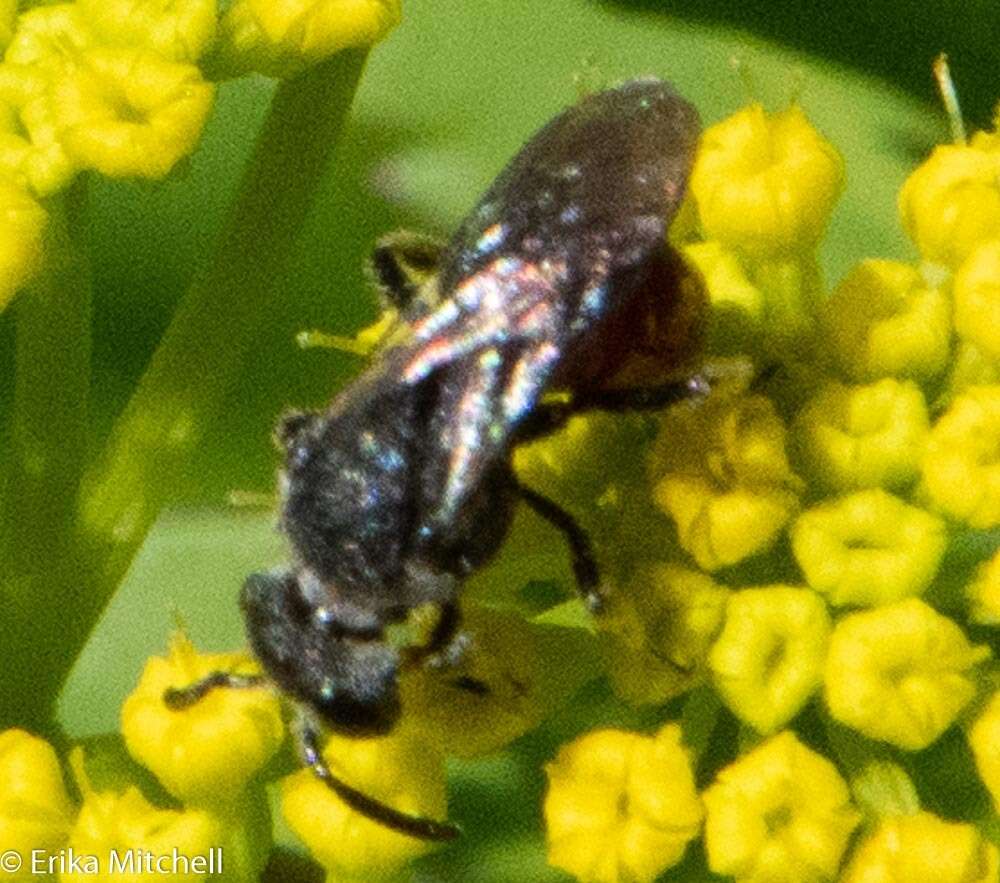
column 501, row 686
column 22, row 239
column 205, row 753
column 976, row 291
column 35, row 811
column 900, row 673
column 129, row 112
column 769, row 658
column 658, row 630
column 883, row 319
column 400, row 770
column 735, row 300
column 868, row 548
column 766, row 183
column 854, row 437
column 281, row 38
column 721, row 473
column 30, row 152
column 621, row 807
column 961, row 467
column 923, row 848
column 49, row 38
column 983, row 593
column 780, row 813
column 113, row 821
column 984, row 740
column 179, row 30
column 951, row 203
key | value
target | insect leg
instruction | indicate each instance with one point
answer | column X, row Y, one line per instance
column 581, row 550
column 307, row 737
column 177, row 698
column 400, row 264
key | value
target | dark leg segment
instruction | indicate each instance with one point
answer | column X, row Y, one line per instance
column 178, row 698
column 414, row 826
column 547, row 418
column 581, row 551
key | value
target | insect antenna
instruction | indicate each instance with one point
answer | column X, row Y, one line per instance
column 415, row 826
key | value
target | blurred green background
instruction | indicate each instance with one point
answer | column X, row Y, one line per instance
column 445, row 101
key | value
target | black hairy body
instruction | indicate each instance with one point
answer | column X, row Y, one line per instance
column 556, row 281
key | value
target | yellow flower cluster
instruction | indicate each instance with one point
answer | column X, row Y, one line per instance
column 121, row 87
column 864, row 459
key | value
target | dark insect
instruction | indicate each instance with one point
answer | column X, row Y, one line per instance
column 559, row 280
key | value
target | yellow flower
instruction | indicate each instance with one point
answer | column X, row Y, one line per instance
column 923, row 848
column 976, row 291
column 179, row 30
column 983, row 593
column 900, row 673
column 766, row 183
column 883, row 319
column 22, row 239
column 720, row 471
column 35, row 811
column 48, row 38
column 621, row 806
column 769, row 658
column 961, row 467
column 207, row 752
column 281, row 38
column 129, row 112
column 780, row 813
column 509, row 675
column 658, row 630
column 971, row 367
column 863, row 436
column 30, row 152
column 398, row 770
column 123, row 821
column 984, row 740
column 951, row 203
column 868, row 548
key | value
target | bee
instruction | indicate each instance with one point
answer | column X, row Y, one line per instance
column 559, row 280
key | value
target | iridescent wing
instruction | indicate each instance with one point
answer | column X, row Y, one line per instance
column 555, row 247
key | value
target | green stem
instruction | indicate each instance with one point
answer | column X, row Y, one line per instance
column 203, row 352
column 48, row 448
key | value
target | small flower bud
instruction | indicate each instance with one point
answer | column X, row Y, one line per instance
column 48, row 38
column 884, row 320
column 961, row 466
column 984, row 740
column 22, row 239
column 923, row 848
column 179, row 30
column 113, row 821
column 720, row 471
column 658, row 630
column 766, row 183
column 951, row 203
column 30, row 152
column 621, row 806
column 780, row 813
column 983, row 593
column 207, row 752
column 280, row 39
column 515, row 684
column 35, row 812
column 129, row 112
column 868, row 548
column 769, row 658
column 900, row 673
column 971, row 366
column 853, row 437
column 399, row 771
column 737, row 305
column 976, row 291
